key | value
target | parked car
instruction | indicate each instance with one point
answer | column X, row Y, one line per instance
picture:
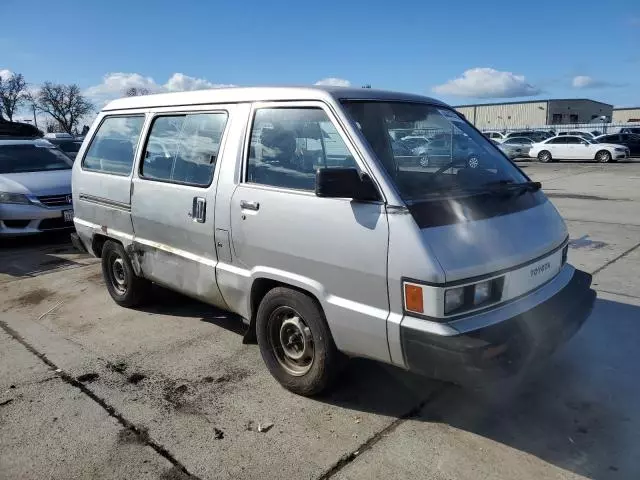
column 13, row 130
column 35, row 188
column 634, row 130
column 414, row 142
column 587, row 135
column 70, row 146
column 577, row 148
column 516, row 147
column 535, row 135
column 58, row 135
column 435, row 270
column 497, row 136
column 629, row 140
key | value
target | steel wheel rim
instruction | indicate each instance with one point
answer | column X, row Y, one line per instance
column 118, row 274
column 291, row 341
column 603, row 156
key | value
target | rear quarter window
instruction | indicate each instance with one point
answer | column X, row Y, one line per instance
column 113, row 147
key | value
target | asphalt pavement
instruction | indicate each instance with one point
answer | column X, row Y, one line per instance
column 92, row 390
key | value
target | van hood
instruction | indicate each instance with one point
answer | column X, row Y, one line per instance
column 51, row 182
column 480, row 247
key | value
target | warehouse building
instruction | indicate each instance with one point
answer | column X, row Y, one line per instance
column 626, row 115
column 534, row 113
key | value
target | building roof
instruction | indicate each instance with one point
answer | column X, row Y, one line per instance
column 252, row 94
column 534, row 101
column 626, row 108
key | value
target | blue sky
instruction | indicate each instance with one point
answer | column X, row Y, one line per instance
column 462, row 52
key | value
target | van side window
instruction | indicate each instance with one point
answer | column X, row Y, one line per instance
column 183, row 148
column 288, row 145
column 114, row 145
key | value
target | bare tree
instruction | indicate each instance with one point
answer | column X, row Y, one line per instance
column 64, row 103
column 135, row 91
column 51, row 126
column 13, row 92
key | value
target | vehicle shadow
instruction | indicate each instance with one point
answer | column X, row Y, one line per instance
column 578, row 412
column 170, row 302
column 32, row 255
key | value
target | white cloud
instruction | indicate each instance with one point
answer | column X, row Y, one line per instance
column 334, row 82
column 487, row 83
column 4, row 73
column 115, row 84
column 179, row 82
column 584, row 81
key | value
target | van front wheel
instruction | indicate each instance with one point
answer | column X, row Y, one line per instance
column 295, row 341
column 125, row 287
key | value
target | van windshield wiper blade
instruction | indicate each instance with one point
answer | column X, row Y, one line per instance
column 510, row 185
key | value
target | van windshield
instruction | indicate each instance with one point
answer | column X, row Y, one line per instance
column 452, row 156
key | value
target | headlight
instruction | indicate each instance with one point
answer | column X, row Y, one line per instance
column 453, row 299
column 482, row 292
column 621, row 149
column 468, row 297
column 6, row 197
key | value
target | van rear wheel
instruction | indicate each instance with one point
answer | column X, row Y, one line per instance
column 125, row 287
column 295, row 341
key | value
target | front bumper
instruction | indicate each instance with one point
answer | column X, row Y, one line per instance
column 31, row 219
column 505, row 348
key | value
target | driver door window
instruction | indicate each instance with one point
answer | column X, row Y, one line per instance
column 288, row 145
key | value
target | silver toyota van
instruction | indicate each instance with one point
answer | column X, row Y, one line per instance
column 300, row 210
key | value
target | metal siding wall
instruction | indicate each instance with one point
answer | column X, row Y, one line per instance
column 468, row 112
column 585, row 109
column 515, row 115
column 623, row 115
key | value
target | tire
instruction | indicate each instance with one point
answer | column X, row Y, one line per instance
column 545, row 156
column 125, row 287
column 603, row 156
column 309, row 363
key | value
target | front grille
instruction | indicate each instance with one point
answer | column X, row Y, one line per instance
column 55, row 200
column 52, row 223
column 16, row 223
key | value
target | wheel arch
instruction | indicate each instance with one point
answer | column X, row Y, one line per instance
column 263, row 284
column 601, row 150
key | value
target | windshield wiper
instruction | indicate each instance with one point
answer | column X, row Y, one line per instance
column 510, row 185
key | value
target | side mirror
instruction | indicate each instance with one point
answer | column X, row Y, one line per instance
column 585, row 142
column 345, row 183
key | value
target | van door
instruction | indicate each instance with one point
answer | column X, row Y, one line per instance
column 172, row 201
column 336, row 249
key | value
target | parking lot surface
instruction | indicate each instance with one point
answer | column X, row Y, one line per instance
column 92, row 390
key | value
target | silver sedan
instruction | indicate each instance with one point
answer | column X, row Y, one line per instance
column 35, row 188
column 516, row 147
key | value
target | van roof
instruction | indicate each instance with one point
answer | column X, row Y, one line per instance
column 256, row 94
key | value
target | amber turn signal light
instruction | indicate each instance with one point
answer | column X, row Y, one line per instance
column 413, row 298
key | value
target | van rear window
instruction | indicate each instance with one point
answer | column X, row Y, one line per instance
column 113, row 146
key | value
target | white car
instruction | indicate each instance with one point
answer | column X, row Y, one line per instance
column 577, row 148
